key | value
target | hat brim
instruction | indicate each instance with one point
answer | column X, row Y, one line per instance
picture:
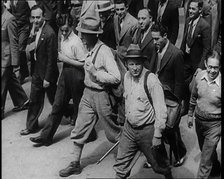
column 88, row 31
column 136, row 56
column 105, row 9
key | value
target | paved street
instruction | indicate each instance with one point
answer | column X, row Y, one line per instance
column 22, row 160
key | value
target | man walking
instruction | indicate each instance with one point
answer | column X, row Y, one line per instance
column 100, row 71
column 45, row 73
column 167, row 63
column 9, row 62
column 144, row 121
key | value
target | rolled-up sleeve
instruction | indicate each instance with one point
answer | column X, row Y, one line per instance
column 159, row 105
column 107, row 69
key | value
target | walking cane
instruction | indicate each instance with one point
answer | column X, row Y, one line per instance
column 134, row 160
column 104, row 156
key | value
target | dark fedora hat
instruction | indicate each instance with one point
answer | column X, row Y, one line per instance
column 134, row 51
column 90, row 25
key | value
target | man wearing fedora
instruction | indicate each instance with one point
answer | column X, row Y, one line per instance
column 107, row 23
column 100, row 71
column 144, row 122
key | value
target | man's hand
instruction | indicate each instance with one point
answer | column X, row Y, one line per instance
column 190, row 121
column 46, row 84
column 90, row 68
column 61, row 56
column 156, row 141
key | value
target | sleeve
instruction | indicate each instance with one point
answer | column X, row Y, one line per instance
column 159, row 105
column 194, row 96
column 179, row 75
column 52, row 57
column 110, row 74
column 13, row 40
column 79, row 51
column 206, row 43
column 174, row 25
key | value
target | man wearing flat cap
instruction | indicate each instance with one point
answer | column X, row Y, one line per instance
column 100, row 71
column 144, row 122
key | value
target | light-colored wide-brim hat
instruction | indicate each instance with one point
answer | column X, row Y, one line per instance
column 135, row 52
column 103, row 6
column 90, row 25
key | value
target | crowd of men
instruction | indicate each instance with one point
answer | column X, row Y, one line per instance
column 120, row 63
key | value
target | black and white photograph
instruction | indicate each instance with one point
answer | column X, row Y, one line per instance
column 109, row 89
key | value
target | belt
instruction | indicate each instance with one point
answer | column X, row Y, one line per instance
column 209, row 117
column 140, row 127
column 65, row 65
column 95, row 89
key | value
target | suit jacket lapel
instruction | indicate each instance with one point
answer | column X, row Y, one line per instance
column 153, row 62
column 147, row 40
column 166, row 57
column 116, row 29
column 41, row 38
column 4, row 17
column 125, row 26
column 196, row 30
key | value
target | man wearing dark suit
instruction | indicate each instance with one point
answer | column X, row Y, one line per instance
column 143, row 36
column 21, row 10
column 167, row 63
column 124, row 24
column 107, row 23
column 168, row 15
column 9, row 62
column 45, row 73
column 195, row 45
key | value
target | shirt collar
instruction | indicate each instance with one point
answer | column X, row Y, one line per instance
column 217, row 80
column 68, row 38
column 163, row 4
column 195, row 21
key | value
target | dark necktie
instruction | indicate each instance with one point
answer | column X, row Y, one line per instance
column 189, row 34
column 119, row 24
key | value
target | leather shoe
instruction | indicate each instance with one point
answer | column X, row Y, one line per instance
column 20, row 108
column 27, row 131
column 179, row 162
column 41, row 141
column 73, row 168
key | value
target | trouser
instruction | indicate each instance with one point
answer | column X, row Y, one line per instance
column 134, row 139
column 10, row 83
column 208, row 133
column 70, row 85
column 23, row 34
column 94, row 105
column 188, row 75
column 37, row 95
column 173, row 138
